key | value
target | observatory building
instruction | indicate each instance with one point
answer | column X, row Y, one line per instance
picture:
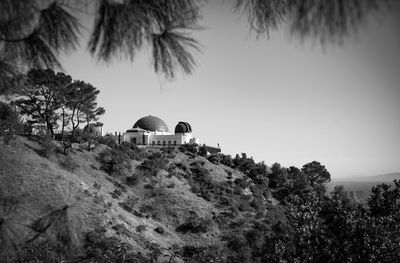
column 151, row 130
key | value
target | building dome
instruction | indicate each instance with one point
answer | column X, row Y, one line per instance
column 183, row 127
column 151, row 123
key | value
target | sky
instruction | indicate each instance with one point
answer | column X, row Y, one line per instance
column 276, row 99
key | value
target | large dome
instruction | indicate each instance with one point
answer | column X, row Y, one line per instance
column 151, row 123
column 183, row 127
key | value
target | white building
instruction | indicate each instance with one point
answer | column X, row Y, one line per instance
column 151, row 130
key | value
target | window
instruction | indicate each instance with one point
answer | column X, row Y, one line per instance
column 169, row 142
column 163, row 142
column 153, row 142
column 133, row 140
column 174, row 142
column 158, row 142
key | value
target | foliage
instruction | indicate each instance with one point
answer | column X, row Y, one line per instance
column 160, row 230
column 194, row 224
column 53, row 99
column 68, row 163
column 132, row 150
column 42, row 96
column 141, row 228
column 34, row 34
column 114, row 162
column 188, row 147
column 316, row 173
column 154, row 163
column 107, row 140
column 102, row 249
column 385, row 201
column 133, row 179
column 202, row 150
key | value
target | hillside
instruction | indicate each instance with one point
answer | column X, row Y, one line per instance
column 122, row 203
column 159, row 213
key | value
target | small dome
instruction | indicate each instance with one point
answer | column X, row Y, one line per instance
column 183, row 127
column 151, row 123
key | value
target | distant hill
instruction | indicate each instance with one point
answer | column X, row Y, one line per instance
column 359, row 188
column 389, row 177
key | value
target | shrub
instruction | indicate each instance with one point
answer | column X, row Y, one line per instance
column 107, row 140
column 116, row 193
column 102, row 249
column 114, row 162
column 159, row 230
column 132, row 150
column 192, row 148
column 132, row 180
column 68, row 163
column 203, row 150
column 141, row 228
column 129, row 203
column 194, row 224
column 154, row 164
column 214, row 159
column 226, row 160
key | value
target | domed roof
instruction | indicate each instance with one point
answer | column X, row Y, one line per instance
column 151, row 123
column 183, row 127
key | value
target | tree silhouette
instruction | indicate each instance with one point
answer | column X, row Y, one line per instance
column 316, row 173
column 42, row 96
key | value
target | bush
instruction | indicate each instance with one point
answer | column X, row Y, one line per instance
column 192, row 148
column 132, row 150
column 102, row 249
column 68, row 163
column 132, row 180
column 160, row 230
column 129, row 203
column 194, row 224
column 114, row 162
column 203, row 150
column 141, row 228
column 215, row 159
column 107, row 140
column 154, row 164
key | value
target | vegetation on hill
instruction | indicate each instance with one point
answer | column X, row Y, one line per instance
column 121, row 203
column 101, row 201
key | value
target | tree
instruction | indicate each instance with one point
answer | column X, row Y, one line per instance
column 316, row 173
column 34, row 33
column 80, row 100
column 42, row 95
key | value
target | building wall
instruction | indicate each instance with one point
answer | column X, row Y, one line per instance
column 150, row 138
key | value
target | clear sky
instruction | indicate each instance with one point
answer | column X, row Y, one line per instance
column 276, row 99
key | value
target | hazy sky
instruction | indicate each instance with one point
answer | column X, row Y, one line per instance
column 276, row 99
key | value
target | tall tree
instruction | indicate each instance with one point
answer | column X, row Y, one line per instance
column 316, row 173
column 42, row 96
column 80, row 102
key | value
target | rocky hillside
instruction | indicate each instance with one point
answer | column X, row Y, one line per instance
column 123, row 205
